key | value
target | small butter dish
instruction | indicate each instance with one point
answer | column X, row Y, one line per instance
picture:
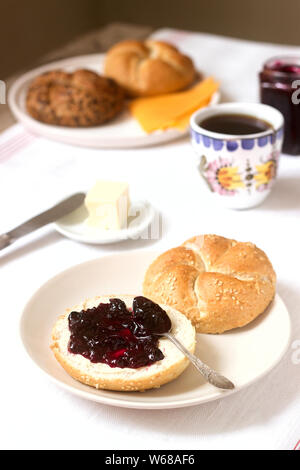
column 141, row 214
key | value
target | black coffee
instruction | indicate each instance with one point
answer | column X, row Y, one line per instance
column 235, row 124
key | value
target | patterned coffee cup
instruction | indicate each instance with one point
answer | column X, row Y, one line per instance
column 239, row 170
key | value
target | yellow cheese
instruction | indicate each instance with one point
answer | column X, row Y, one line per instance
column 108, row 204
column 183, row 122
column 172, row 110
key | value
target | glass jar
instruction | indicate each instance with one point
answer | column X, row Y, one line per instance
column 278, row 88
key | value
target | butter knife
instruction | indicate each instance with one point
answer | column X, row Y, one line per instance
column 51, row 215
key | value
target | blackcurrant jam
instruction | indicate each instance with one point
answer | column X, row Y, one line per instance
column 119, row 337
column 278, row 88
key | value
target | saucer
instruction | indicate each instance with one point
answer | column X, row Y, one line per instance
column 74, row 225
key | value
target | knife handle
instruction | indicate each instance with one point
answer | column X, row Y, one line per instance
column 5, row 241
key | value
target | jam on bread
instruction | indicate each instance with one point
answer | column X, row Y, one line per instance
column 119, row 337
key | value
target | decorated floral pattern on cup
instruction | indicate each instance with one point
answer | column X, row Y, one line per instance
column 225, row 179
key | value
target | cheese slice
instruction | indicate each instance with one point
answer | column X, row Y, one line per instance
column 108, row 204
column 174, row 109
column 183, row 121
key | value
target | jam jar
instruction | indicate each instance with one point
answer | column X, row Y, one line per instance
column 280, row 88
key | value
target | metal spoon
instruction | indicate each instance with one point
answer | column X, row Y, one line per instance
column 157, row 321
column 209, row 374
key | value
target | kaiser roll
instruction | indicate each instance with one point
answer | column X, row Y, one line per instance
column 149, row 68
column 219, row 284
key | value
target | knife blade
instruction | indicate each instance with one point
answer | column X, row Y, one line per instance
column 47, row 217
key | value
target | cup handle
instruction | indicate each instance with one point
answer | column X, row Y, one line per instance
column 201, row 168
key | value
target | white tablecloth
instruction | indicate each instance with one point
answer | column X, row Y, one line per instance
column 35, row 172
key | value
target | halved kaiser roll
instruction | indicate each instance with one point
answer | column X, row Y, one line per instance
column 102, row 376
column 218, row 283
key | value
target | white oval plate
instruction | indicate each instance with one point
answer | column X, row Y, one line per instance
column 243, row 355
column 74, row 225
column 122, row 132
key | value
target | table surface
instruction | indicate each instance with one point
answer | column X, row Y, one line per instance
column 35, row 172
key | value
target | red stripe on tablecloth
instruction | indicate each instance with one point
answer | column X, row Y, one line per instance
column 17, row 139
column 14, row 144
column 297, row 446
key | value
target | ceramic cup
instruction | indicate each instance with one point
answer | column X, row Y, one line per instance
column 239, row 170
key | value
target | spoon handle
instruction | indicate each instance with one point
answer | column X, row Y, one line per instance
column 209, row 374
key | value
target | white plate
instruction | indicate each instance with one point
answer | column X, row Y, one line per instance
column 122, row 132
column 243, row 355
column 74, row 225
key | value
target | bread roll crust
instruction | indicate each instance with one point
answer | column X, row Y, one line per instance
column 218, row 283
column 79, row 99
column 102, row 376
column 149, row 68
